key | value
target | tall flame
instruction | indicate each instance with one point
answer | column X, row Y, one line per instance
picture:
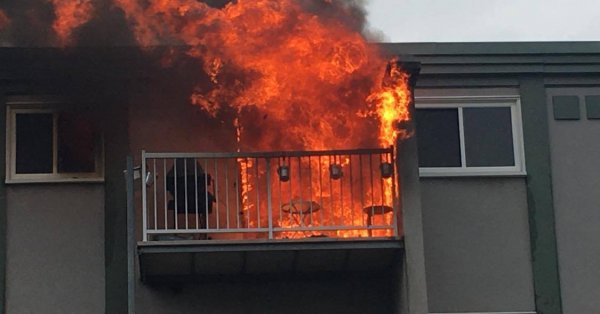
column 298, row 79
column 390, row 104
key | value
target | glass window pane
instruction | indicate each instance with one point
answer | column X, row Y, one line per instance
column 439, row 142
column 488, row 137
column 33, row 142
column 76, row 144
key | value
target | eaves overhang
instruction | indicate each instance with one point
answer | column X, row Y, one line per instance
column 209, row 260
column 552, row 58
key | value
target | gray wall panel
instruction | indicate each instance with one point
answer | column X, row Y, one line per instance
column 477, row 252
column 55, row 249
column 575, row 153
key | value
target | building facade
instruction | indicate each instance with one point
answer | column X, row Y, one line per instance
column 501, row 218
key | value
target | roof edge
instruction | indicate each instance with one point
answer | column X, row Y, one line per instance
column 494, row 48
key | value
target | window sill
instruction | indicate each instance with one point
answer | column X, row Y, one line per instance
column 54, row 180
column 474, row 173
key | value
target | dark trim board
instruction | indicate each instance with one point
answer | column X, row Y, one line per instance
column 497, row 48
column 539, row 196
column 258, row 245
column 319, row 277
column 116, row 141
column 3, row 206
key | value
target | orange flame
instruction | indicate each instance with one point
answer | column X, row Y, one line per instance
column 385, row 104
column 69, row 15
column 308, row 74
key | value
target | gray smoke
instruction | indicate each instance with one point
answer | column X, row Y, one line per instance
column 30, row 23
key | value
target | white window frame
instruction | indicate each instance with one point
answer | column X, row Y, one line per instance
column 460, row 102
column 15, row 107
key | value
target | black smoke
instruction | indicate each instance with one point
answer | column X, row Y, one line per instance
column 31, row 21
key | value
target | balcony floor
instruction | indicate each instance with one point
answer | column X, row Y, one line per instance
column 210, row 260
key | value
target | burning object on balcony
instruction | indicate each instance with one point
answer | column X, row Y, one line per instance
column 188, row 185
column 335, row 171
column 387, row 170
column 284, row 173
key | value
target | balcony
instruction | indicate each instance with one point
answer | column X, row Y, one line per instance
column 209, row 215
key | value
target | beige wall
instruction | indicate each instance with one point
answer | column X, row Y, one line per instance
column 55, row 248
column 477, row 252
column 575, row 157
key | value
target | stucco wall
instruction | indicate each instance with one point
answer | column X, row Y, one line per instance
column 55, row 249
column 575, row 153
column 477, row 252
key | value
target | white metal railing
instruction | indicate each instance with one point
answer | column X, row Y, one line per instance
column 269, row 195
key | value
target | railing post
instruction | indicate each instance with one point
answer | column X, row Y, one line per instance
column 269, row 201
column 407, row 161
column 130, row 237
column 144, row 205
column 395, row 199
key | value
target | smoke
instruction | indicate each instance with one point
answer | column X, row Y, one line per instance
column 44, row 23
column 30, row 22
column 351, row 13
column 59, row 23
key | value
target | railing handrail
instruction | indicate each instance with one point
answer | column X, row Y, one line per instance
column 269, row 154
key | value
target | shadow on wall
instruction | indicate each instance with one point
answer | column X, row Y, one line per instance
column 358, row 294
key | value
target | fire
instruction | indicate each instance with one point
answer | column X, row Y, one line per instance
column 245, row 189
column 299, row 75
column 386, row 102
column 69, row 15
column 308, row 74
column 394, row 91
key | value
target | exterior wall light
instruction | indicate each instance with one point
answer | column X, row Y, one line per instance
column 387, row 170
column 335, row 171
column 284, row 173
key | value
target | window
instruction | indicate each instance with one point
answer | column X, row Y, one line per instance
column 48, row 143
column 461, row 136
